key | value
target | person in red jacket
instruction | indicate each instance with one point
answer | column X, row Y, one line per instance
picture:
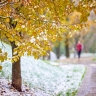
column 79, row 49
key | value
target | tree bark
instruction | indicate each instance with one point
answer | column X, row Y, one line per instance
column 16, row 68
column 49, row 55
column 76, row 41
column 58, row 50
column 67, row 54
column 16, row 72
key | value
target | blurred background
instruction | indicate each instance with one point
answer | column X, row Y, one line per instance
column 66, row 48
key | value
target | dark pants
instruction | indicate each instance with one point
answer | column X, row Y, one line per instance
column 79, row 53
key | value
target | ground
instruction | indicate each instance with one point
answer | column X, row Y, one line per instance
column 88, row 86
column 43, row 78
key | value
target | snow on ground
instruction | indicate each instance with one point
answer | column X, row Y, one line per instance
column 6, row 89
column 62, row 57
column 46, row 79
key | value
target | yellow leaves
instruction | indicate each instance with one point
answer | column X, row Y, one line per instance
column 34, row 34
column 7, row 20
column 47, row 48
column 60, row 38
column 40, row 20
column 45, row 42
column 53, row 39
column 1, row 58
column 29, row 53
column 16, row 42
column 36, row 55
column 11, row 39
column 15, row 58
column 0, row 67
column 3, row 55
column 43, row 53
column 15, row 52
column 0, row 50
column 75, row 17
column 83, row 18
column 17, row 28
column 2, row 26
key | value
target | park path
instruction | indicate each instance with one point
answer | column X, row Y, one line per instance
column 88, row 85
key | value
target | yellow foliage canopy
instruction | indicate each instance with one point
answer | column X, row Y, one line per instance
column 33, row 24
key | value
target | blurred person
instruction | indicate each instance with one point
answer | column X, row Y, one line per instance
column 79, row 48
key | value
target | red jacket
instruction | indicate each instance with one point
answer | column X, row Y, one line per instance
column 79, row 47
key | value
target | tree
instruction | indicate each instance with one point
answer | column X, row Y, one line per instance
column 57, row 49
column 25, row 33
column 72, row 19
column 30, row 25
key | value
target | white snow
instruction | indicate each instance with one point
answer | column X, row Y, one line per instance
column 46, row 79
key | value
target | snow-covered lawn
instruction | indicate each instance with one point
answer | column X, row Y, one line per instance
column 46, row 79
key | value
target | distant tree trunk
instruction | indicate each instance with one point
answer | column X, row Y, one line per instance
column 49, row 55
column 16, row 72
column 67, row 54
column 76, row 41
column 43, row 57
column 46, row 56
column 58, row 50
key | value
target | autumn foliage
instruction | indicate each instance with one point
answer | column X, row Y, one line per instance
column 33, row 24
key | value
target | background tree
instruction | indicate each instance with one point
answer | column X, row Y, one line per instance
column 57, row 49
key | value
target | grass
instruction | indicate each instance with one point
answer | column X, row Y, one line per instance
column 94, row 59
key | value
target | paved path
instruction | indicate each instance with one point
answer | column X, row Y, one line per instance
column 88, row 86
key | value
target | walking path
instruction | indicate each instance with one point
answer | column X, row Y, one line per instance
column 88, row 86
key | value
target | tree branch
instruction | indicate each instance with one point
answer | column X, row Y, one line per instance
column 4, row 17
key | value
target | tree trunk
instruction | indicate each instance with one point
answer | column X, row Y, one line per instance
column 76, row 41
column 43, row 57
column 49, row 55
column 67, row 48
column 16, row 72
column 58, row 50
